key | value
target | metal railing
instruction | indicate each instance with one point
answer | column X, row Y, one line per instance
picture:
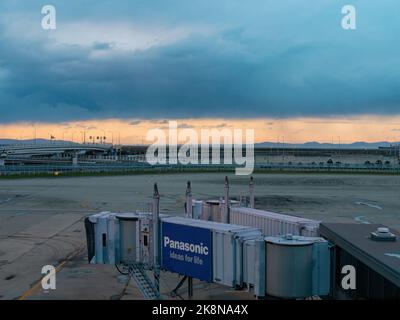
column 132, row 167
column 143, row 282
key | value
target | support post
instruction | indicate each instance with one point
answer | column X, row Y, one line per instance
column 251, row 189
column 225, row 218
column 75, row 159
column 156, row 237
column 190, row 288
column 189, row 202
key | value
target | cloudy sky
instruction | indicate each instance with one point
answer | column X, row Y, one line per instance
column 146, row 60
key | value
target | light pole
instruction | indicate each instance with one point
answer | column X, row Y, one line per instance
column 83, row 136
column 251, row 189
column 189, row 205
column 156, row 237
column 112, row 137
column 226, row 204
column 103, row 138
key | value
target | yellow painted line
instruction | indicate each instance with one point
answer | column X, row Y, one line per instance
column 31, row 290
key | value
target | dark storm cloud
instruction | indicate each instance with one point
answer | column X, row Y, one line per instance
column 275, row 65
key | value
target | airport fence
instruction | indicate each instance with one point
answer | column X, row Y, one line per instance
column 142, row 167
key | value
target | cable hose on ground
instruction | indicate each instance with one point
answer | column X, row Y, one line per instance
column 125, row 274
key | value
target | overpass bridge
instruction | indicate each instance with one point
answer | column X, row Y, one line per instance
column 50, row 151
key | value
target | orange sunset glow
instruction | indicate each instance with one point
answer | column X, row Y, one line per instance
column 294, row 130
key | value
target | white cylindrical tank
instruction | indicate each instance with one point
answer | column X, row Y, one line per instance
column 288, row 266
column 105, row 233
column 197, row 209
column 213, row 209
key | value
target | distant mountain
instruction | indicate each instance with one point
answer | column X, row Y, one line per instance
column 317, row 145
column 306, row 145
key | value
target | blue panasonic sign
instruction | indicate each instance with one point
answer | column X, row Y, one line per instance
column 187, row 250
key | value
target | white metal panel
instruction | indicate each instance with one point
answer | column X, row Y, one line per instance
column 100, row 232
column 321, row 268
column 259, row 277
column 205, row 212
column 93, row 218
column 223, row 227
column 249, row 259
column 107, row 235
column 272, row 223
column 99, row 229
column 112, row 240
column 241, row 261
column 227, row 240
column 215, row 210
column 228, row 255
column 310, row 230
column 105, row 231
column 223, row 258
